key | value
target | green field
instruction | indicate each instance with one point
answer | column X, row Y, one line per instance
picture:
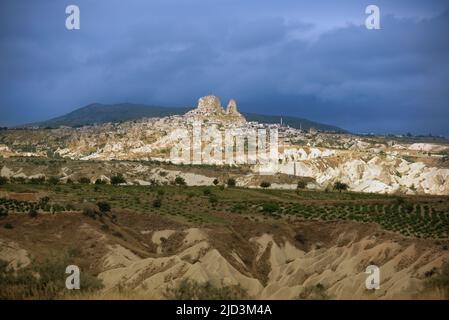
column 412, row 216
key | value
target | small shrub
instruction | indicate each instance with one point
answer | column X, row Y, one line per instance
column 53, row 180
column 270, row 207
column 118, row 179
column 180, row 181
column 231, row 182
column 104, row 206
column 340, row 186
column 213, row 199
column 84, row 180
column 317, row 292
column 300, row 238
column 100, row 181
column 301, row 184
column 216, row 182
column 157, row 203
column 191, row 290
column 239, row 207
column 3, row 212
column 89, row 212
column 163, row 173
column 265, row 184
column 39, row 180
column 32, row 213
column 3, row 180
column 44, row 200
column 18, row 180
column 117, row 234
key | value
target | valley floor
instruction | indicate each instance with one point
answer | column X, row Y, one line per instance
column 179, row 242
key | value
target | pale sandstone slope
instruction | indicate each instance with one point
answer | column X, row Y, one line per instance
column 340, row 268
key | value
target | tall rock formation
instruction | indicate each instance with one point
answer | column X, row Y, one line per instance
column 233, row 114
column 209, row 108
column 210, row 105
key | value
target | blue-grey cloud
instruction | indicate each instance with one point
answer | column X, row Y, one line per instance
column 314, row 60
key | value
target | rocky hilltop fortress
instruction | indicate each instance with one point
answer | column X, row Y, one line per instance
column 210, row 109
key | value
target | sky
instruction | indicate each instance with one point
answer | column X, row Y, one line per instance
column 312, row 59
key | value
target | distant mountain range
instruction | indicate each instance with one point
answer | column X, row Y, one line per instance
column 97, row 113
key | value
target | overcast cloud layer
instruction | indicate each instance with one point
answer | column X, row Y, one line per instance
column 313, row 59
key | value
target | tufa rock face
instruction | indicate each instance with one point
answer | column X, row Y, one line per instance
column 233, row 114
column 232, row 107
column 209, row 108
column 210, row 105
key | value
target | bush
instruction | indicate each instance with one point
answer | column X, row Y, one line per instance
column 270, row 207
column 3, row 180
column 18, row 180
column 3, row 212
column 213, row 199
column 84, row 180
column 39, row 180
column 32, row 213
column 216, row 182
column 239, row 207
column 180, row 181
column 58, row 208
column 157, row 203
column 99, row 181
column 207, row 192
column 163, row 173
column 340, row 186
column 191, row 290
column 317, row 292
column 89, row 212
column 53, row 180
column 104, row 206
column 300, row 238
column 118, row 179
column 117, row 234
column 44, row 200
column 301, row 185
column 104, row 227
column 265, row 184
column 231, row 182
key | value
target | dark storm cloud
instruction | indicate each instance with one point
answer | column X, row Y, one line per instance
column 314, row 60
